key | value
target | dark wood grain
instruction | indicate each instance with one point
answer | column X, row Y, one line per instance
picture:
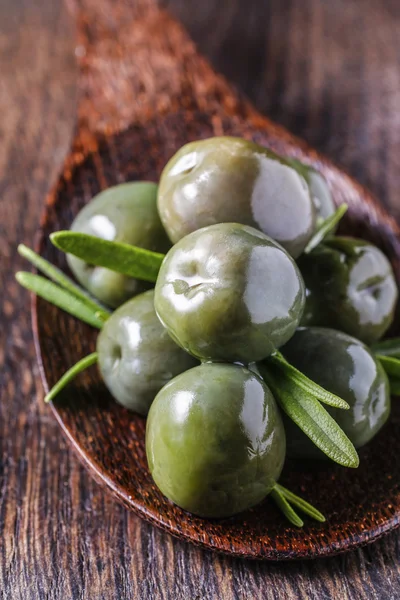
column 62, row 537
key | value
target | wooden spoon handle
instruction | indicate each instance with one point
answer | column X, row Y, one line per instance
column 138, row 63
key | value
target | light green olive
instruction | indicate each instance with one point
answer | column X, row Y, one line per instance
column 136, row 356
column 215, row 442
column 346, row 367
column 350, row 287
column 228, row 292
column 123, row 213
column 226, row 180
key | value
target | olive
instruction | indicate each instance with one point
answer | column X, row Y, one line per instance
column 319, row 190
column 351, row 287
column 215, row 442
column 346, row 367
column 321, row 195
column 227, row 179
column 123, row 213
column 136, row 356
column 228, row 292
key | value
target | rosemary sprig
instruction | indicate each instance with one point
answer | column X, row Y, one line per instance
column 285, row 508
column 56, row 275
column 306, row 411
column 284, row 499
column 62, row 298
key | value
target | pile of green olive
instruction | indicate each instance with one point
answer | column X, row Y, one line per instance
column 260, row 314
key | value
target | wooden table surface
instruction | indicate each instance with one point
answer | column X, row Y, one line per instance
column 327, row 70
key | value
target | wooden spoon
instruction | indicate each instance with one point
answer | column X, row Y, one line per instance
column 144, row 93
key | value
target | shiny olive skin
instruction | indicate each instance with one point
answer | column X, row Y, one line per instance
column 319, row 190
column 232, row 180
column 228, row 292
column 123, row 213
column 350, row 287
column 136, row 356
column 346, row 367
column 321, row 196
column 215, row 442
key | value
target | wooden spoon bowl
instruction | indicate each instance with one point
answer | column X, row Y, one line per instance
column 145, row 93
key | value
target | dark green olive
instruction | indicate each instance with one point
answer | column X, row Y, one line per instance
column 136, row 356
column 351, row 287
column 226, row 180
column 346, row 367
column 123, row 213
column 215, row 442
column 228, row 292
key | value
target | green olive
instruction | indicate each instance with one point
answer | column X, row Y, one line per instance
column 228, row 292
column 227, row 179
column 123, row 213
column 350, row 287
column 346, row 367
column 321, row 196
column 319, row 190
column 136, row 356
column 215, row 442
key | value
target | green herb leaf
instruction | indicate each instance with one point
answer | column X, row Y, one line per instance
column 285, row 507
column 306, row 507
column 390, row 364
column 122, row 258
column 59, row 297
column 306, row 384
column 59, row 277
column 387, row 348
column 310, row 416
column 326, row 227
column 80, row 366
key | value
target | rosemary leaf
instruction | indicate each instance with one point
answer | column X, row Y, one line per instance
column 59, row 297
column 122, row 258
column 390, row 364
column 306, row 411
column 80, row 366
column 326, row 227
column 389, row 347
column 59, row 277
column 304, row 506
column 285, row 507
column 306, row 384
